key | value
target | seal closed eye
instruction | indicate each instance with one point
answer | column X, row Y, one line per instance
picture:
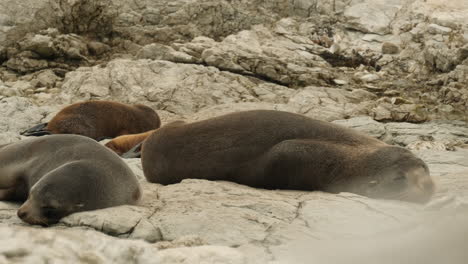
column 61, row 174
column 281, row 150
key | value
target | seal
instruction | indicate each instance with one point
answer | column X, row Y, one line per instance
column 99, row 120
column 125, row 143
column 281, row 150
column 61, row 174
column 129, row 146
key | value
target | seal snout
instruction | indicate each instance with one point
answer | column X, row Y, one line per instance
column 424, row 187
column 22, row 214
column 29, row 214
column 427, row 185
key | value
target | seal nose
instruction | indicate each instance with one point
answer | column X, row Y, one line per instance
column 427, row 185
column 22, row 214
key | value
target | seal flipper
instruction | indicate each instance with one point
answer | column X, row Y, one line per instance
column 103, row 138
column 38, row 130
column 134, row 152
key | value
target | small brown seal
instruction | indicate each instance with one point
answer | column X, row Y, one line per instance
column 280, row 150
column 129, row 146
column 98, row 120
column 123, row 144
column 62, row 174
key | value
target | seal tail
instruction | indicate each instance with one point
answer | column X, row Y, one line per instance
column 38, row 130
column 134, row 152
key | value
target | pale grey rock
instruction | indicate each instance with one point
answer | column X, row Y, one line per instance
column 455, row 133
column 19, row 113
column 269, row 55
column 372, row 16
column 177, row 88
column 162, row 52
column 97, row 48
column 370, row 77
column 365, row 124
column 389, row 48
column 46, row 78
column 13, row 13
column 202, row 254
column 31, row 245
column 431, row 135
column 40, row 44
column 198, row 59
column 330, row 103
column 437, row 29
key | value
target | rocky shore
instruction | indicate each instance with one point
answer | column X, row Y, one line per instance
column 396, row 70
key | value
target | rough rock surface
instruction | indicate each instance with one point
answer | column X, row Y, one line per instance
column 396, row 70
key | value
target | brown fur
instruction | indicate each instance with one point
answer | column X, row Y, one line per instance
column 124, row 143
column 103, row 119
column 280, row 150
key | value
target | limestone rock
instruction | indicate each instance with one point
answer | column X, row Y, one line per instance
column 31, row 245
column 372, row 16
column 19, row 113
column 177, row 88
column 389, row 48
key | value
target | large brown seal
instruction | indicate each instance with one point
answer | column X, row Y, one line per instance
column 98, row 120
column 62, row 174
column 280, row 150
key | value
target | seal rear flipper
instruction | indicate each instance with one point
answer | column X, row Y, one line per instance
column 38, row 130
column 103, row 138
column 134, row 152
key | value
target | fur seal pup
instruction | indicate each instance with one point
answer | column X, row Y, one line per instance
column 62, row 174
column 281, row 150
column 99, row 120
column 123, row 144
column 129, row 146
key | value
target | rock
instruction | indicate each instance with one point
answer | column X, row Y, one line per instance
column 203, row 254
column 269, row 55
column 163, row 84
column 3, row 56
column 46, row 78
column 340, row 82
column 370, row 77
column 24, row 64
column 365, row 124
column 30, row 245
column 436, row 29
column 40, row 44
column 372, row 16
column 97, row 48
column 389, row 48
column 24, row 113
column 329, row 104
column 162, row 52
column 351, row 62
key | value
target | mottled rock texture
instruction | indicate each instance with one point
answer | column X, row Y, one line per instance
column 396, row 70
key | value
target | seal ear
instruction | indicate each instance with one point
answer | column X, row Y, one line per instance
column 134, row 152
column 37, row 130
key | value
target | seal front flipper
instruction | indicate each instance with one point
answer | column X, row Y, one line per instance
column 38, row 130
column 134, row 152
